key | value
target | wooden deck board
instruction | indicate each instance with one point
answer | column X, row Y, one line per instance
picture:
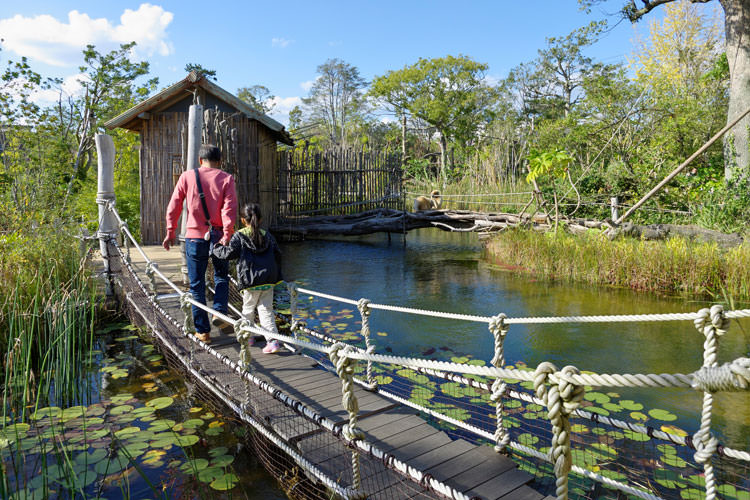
column 474, row 470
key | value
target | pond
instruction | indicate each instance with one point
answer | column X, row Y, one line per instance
column 139, row 433
column 445, row 271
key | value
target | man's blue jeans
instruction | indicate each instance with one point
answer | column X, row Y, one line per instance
column 196, row 253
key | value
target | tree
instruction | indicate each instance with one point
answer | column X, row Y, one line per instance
column 336, row 97
column 258, row 97
column 208, row 73
column 449, row 93
column 550, row 84
column 737, row 32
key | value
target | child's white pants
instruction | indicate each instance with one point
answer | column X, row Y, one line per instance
column 262, row 300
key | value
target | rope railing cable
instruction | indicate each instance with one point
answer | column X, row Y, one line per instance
column 373, row 451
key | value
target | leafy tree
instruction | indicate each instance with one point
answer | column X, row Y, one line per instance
column 737, row 31
column 448, row 93
column 208, row 73
column 258, row 97
column 550, row 84
column 336, row 98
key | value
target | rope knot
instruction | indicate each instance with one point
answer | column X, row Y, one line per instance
column 712, row 320
column 363, row 305
column 498, row 326
column 732, row 376
column 242, row 329
column 705, row 446
column 570, row 392
column 185, row 301
column 541, row 377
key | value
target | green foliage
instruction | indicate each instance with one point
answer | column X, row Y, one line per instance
column 198, row 68
column 548, row 164
column 258, row 97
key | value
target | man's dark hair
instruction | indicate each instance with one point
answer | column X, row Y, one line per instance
column 209, row 152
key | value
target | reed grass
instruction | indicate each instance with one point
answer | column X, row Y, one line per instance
column 674, row 266
column 47, row 314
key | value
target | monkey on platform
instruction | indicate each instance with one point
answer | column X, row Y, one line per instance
column 425, row 203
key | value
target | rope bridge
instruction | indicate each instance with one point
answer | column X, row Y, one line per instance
column 482, row 403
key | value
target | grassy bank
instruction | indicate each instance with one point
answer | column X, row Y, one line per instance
column 674, row 266
column 47, row 311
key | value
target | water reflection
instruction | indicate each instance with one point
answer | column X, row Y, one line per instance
column 445, row 271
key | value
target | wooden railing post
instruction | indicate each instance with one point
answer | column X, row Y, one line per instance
column 195, row 126
column 105, row 198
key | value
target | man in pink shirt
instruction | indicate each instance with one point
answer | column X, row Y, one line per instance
column 203, row 232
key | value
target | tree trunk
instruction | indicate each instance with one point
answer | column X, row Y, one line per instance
column 443, row 159
column 403, row 139
column 737, row 26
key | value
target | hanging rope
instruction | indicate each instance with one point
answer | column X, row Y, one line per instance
column 243, row 333
column 712, row 324
column 499, row 330
column 292, row 287
column 364, row 310
column 345, row 370
column 561, row 400
column 151, row 267
column 188, row 324
column 126, row 240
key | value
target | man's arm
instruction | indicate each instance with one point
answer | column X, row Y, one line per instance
column 174, row 209
column 229, row 210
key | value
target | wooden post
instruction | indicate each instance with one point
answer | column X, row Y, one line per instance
column 614, row 205
column 195, row 126
column 108, row 229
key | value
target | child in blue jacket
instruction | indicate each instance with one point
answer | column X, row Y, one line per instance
column 258, row 270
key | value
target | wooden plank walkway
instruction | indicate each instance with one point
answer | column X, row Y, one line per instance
column 476, row 470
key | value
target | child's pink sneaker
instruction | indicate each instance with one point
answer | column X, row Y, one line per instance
column 272, row 347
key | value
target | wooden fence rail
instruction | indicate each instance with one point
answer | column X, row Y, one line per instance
column 338, row 182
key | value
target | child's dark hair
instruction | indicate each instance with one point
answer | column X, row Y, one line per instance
column 251, row 213
column 209, row 152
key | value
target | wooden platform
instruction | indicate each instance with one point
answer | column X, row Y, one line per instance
column 476, row 470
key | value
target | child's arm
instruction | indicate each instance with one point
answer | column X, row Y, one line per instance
column 231, row 251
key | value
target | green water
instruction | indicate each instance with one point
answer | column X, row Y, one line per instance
column 445, row 271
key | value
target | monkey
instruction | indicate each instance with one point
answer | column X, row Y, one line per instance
column 424, row 203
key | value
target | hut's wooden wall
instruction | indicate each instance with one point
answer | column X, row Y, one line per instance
column 248, row 148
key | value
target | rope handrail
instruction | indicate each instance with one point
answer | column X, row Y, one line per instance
column 560, row 390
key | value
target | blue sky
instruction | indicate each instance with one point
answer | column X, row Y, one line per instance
column 279, row 44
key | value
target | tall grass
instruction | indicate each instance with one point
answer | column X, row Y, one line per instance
column 47, row 300
column 674, row 266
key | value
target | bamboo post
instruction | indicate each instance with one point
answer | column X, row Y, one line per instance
column 195, row 126
column 679, row 169
column 105, row 152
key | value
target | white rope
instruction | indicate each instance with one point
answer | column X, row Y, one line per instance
column 499, row 330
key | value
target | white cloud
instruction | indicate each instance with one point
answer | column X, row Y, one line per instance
column 281, row 42
column 72, row 86
column 306, row 86
column 334, row 43
column 59, row 43
column 282, row 107
column 492, row 80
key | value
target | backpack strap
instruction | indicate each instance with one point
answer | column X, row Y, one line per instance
column 202, row 196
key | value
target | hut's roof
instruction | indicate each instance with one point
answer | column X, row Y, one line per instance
column 130, row 119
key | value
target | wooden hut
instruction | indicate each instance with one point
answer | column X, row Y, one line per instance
column 247, row 138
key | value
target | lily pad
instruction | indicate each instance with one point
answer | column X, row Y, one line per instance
column 630, row 405
column 222, row 460
column 671, row 429
column 92, row 458
column 160, row 403
column 218, row 451
column 210, row 474
column 50, row 411
column 662, row 415
column 161, row 425
column 119, row 410
column 193, row 466
column 596, row 397
column 192, row 423
column 185, row 441
column 214, row 431
column 225, row 482
column 114, row 465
